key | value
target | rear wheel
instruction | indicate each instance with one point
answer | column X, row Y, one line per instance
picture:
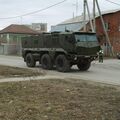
column 30, row 62
column 62, row 64
column 84, row 65
column 46, row 62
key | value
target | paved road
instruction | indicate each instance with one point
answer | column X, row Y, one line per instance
column 107, row 72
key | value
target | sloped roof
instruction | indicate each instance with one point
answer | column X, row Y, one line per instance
column 71, row 27
column 73, row 20
column 81, row 18
column 18, row 29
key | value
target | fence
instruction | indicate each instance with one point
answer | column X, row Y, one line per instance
column 10, row 49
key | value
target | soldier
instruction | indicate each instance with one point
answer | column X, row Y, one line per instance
column 101, row 56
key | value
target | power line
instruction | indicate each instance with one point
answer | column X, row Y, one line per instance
column 34, row 12
column 113, row 2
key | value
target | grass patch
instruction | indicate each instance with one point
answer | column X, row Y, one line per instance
column 7, row 71
column 58, row 100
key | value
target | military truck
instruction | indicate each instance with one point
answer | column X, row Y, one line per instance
column 61, row 50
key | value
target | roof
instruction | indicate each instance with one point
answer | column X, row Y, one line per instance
column 81, row 18
column 18, row 29
column 70, row 26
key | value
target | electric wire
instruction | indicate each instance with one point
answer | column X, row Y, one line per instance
column 113, row 2
column 34, row 12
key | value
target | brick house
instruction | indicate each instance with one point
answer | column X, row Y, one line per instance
column 10, row 38
column 112, row 24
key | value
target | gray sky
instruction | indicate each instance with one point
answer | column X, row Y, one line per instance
column 52, row 16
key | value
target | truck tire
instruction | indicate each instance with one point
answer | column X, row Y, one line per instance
column 84, row 65
column 46, row 62
column 62, row 64
column 30, row 62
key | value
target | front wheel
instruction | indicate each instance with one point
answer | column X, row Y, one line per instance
column 84, row 65
column 62, row 64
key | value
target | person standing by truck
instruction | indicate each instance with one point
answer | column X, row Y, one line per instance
column 101, row 56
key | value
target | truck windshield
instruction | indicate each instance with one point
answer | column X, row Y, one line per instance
column 84, row 38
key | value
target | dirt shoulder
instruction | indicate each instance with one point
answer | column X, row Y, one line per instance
column 7, row 71
column 59, row 100
column 56, row 99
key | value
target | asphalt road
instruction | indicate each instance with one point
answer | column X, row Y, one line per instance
column 106, row 72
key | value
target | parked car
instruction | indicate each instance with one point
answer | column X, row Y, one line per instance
column 118, row 55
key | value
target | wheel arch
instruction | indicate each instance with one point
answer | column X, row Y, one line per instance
column 59, row 53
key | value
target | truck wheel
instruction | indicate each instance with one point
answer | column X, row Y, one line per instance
column 30, row 62
column 46, row 62
column 62, row 64
column 84, row 65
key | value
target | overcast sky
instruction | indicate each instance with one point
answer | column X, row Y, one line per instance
column 52, row 16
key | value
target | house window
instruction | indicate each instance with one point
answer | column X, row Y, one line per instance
column 107, row 26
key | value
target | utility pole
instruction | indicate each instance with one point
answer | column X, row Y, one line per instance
column 88, row 14
column 84, row 15
column 91, row 24
column 94, row 15
column 103, row 24
column 93, row 21
column 76, row 7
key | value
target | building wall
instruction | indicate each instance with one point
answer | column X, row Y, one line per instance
column 1, row 49
column 39, row 27
column 112, row 23
column 11, row 43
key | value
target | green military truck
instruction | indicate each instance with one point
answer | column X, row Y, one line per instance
column 61, row 50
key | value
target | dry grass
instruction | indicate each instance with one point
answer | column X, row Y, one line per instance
column 7, row 71
column 58, row 100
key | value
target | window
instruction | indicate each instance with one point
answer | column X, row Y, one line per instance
column 84, row 38
column 107, row 26
column 80, row 38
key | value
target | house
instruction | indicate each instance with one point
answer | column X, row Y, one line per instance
column 73, row 24
column 10, row 38
column 112, row 24
column 39, row 27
